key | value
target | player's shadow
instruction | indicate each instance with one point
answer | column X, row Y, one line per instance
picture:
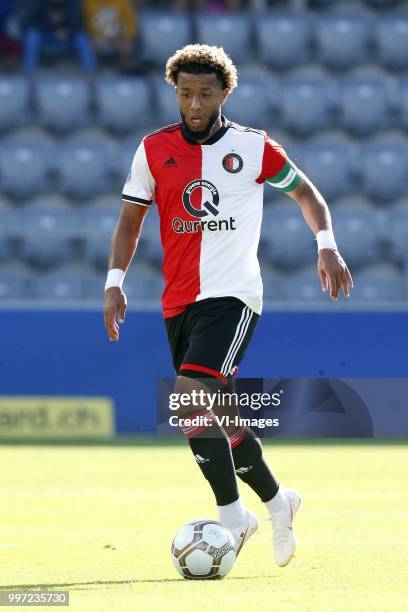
column 78, row 586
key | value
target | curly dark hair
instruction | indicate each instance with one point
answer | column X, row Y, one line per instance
column 198, row 59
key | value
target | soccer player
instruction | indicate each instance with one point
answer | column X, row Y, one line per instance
column 206, row 175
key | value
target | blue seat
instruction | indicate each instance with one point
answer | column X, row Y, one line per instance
column 150, row 243
column 162, row 33
column 404, row 104
column 285, row 237
column 123, row 103
column 384, row 172
column 82, row 171
column 343, row 41
column 248, row 104
column 365, row 106
column 392, row 41
column 8, row 224
column 167, row 106
column 13, row 286
column 358, row 235
column 330, row 168
column 272, row 282
column 228, row 30
column 399, row 235
column 379, row 284
column 304, row 286
column 14, row 102
column 48, row 237
column 58, row 287
column 24, row 170
column 283, row 39
column 382, row 4
column 62, row 102
column 99, row 224
column 306, row 106
column 143, row 283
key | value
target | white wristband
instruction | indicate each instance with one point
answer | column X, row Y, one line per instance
column 115, row 278
column 325, row 240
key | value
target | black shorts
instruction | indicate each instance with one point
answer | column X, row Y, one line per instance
column 210, row 337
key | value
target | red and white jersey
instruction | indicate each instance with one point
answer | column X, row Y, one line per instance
column 210, row 199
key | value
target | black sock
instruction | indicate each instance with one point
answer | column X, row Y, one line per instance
column 212, row 452
column 251, row 467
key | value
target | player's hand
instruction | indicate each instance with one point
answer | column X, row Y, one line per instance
column 334, row 273
column 114, row 310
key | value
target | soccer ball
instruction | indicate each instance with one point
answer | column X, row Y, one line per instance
column 203, row 549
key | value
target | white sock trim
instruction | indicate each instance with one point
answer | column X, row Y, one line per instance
column 232, row 515
column 277, row 503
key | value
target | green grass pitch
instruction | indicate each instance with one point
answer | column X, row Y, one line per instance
column 98, row 521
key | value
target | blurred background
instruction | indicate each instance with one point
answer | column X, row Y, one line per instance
column 81, row 83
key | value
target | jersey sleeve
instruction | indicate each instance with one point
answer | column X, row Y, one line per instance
column 140, row 185
column 277, row 169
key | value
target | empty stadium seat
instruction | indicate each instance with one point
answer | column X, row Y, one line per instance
column 384, row 172
column 376, row 284
column 358, row 235
column 398, row 235
column 248, row 104
column 392, row 41
column 123, row 103
column 285, row 238
column 166, row 101
column 24, row 170
column 228, row 30
column 342, row 40
column 14, row 281
column 382, row 4
column 272, row 281
column 63, row 102
column 283, row 39
column 162, row 33
column 30, row 135
column 14, row 102
column 306, row 106
column 8, row 222
column 330, row 168
column 82, row 171
column 99, row 222
column 365, row 107
column 404, row 104
column 143, row 282
column 48, row 234
column 150, row 244
column 58, row 287
column 304, row 286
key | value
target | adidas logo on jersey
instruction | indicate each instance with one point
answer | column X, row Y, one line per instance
column 200, row 459
column 170, row 163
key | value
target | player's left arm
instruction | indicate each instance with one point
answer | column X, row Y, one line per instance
column 333, row 271
column 281, row 173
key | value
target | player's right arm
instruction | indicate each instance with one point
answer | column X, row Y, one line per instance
column 122, row 249
column 138, row 194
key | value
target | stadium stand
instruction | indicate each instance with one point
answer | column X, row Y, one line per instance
column 232, row 31
column 14, row 102
column 62, row 103
column 283, row 39
column 329, row 84
column 162, row 32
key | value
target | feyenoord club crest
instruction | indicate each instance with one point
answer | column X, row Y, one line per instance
column 232, row 163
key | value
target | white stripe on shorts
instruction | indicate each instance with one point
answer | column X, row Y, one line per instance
column 239, row 336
